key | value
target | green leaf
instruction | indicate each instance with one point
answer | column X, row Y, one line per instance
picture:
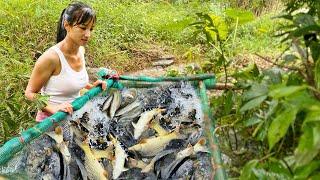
column 220, row 26
column 256, row 90
column 279, row 126
column 305, row 30
column 315, row 177
column 313, row 115
column 304, row 172
column 315, row 51
column 274, row 75
column 247, row 173
column 285, row 91
column 228, row 103
column 304, row 19
column 242, row 16
column 309, row 145
column 253, row 103
column 317, row 74
column 252, row 121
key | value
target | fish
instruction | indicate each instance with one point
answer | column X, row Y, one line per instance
column 183, row 170
column 82, row 168
column 128, row 96
column 128, row 108
column 131, row 114
column 119, row 159
column 152, row 146
column 115, row 104
column 192, row 150
column 62, row 145
column 106, row 104
column 94, row 169
column 143, row 121
column 157, row 127
column 150, row 166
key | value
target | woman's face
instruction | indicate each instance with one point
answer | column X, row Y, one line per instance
column 80, row 33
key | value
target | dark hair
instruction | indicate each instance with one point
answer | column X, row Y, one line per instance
column 76, row 13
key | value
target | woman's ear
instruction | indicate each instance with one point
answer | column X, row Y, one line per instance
column 66, row 25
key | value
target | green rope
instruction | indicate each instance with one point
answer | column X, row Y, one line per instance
column 14, row 145
column 218, row 170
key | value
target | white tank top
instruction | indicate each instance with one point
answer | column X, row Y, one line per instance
column 66, row 86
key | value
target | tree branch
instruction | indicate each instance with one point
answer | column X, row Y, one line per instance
column 277, row 64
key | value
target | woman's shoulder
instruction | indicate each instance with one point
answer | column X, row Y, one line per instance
column 49, row 56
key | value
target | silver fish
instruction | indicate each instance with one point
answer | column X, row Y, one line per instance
column 119, row 160
column 107, row 103
column 57, row 135
column 143, row 121
column 128, row 108
column 152, row 146
column 115, row 104
column 128, row 96
column 131, row 114
column 94, row 169
column 150, row 166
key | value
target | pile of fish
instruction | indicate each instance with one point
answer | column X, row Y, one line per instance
column 152, row 133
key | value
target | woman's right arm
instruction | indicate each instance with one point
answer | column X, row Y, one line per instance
column 41, row 73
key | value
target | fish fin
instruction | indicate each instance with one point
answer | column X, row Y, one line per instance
column 125, row 169
column 200, row 146
column 202, row 141
column 134, row 125
column 142, row 141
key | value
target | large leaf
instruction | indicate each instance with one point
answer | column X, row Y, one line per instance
column 304, row 172
column 313, row 115
column 220, row 26
column 242, row 16
column 253, row 103
column 247, row 173
column 279, row 126
column 304, row 19
column 309, row 145
column 285, row 91
column 256, row 90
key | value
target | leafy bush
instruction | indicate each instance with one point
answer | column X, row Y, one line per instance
column 280, row 106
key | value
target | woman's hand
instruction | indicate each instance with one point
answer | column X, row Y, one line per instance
column 65, row 107
column 96, row 83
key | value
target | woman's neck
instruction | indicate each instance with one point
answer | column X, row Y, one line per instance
column 69, row 47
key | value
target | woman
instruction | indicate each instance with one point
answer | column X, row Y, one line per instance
column 60, row 72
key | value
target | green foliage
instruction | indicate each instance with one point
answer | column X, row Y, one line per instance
column 218, row 32
column 286, row 103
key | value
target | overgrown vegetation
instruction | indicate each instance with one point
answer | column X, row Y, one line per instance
column 272, row 114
